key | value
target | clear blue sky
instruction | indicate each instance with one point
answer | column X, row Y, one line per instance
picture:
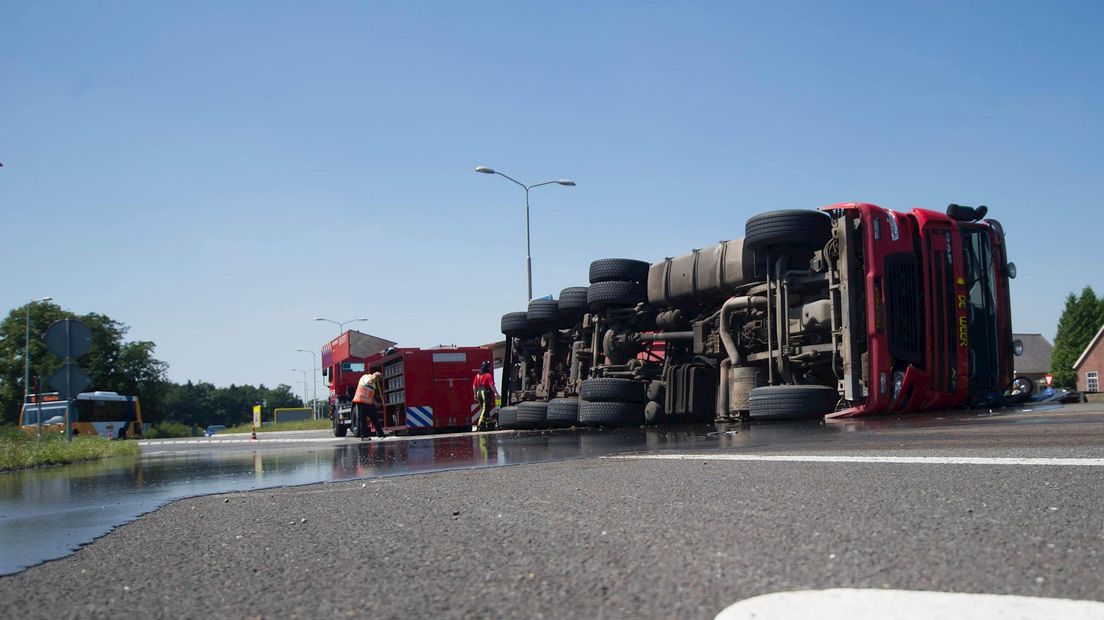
column 216, row 174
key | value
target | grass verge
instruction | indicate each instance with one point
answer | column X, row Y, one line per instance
column 297, row 425
column 19, row 451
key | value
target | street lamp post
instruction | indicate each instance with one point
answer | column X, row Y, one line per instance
column 27, row 353
column 340, row 324
column 304, row 382
column 314, row 379
column 528, row 254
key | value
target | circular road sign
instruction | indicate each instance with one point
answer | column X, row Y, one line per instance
column 68, row 337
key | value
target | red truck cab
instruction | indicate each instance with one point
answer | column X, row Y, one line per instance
column 931, row 327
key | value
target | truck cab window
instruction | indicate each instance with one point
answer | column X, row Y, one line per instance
column 981, row 310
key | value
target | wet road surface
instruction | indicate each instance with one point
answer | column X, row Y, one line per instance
column 47, row 513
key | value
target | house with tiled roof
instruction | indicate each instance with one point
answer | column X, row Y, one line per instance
column 1035, row 361
column 1089, row 366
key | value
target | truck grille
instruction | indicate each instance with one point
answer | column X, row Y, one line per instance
column 904, row 316
column 943, row 326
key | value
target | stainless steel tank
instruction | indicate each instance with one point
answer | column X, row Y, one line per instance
column 708, row 273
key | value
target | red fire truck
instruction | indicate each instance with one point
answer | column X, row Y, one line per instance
column 424, row 390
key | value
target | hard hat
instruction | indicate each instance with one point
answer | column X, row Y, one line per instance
column 485, row 367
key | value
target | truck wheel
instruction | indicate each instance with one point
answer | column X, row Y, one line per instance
column 573, row 301
column 794, row 227
column 339, row 429
column 792, row 402
column 608, row 389
column 543, row 312
column 563, row 412
column 611, row 414
column 507, row 417
column 601, row 295
column 515, row 324
column 619, row 269
column 532, row 414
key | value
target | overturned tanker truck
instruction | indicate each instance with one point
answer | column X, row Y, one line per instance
column 846, row 311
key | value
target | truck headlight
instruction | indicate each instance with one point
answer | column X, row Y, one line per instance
column 1011, row 269
column 1017, row 347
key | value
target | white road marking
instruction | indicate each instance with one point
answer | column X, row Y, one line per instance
column 169, row 442
column 905, row 460
column 852, row 604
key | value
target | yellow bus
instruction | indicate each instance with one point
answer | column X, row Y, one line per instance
column 95, row 414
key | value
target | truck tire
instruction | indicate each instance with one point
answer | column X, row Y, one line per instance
column 794, row 227
column 532, row 414
column 608, row 389
column 339, row 429
column 563, row 412
column 602, row 295
column 543, row 312
column 619, row 269
column 573, row 301
column 515, row 324
column 792, row 402
column 610, row 414
column 507, row 417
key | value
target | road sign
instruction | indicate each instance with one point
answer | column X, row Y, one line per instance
column 68, row 338
column 69, row 380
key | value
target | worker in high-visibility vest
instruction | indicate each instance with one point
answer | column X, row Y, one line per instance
column 485, row 394
column 366, row 403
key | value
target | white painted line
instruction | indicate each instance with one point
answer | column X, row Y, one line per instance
column 850, row 604
column 161, row 442
column 904, row 460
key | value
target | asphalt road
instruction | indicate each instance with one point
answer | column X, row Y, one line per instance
column 985, row 504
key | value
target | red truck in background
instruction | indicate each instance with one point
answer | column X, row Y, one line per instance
column 849, row 310
column 424, row 390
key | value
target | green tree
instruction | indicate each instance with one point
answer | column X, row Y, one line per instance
column 1080, row 320
column 112, row 363
column 201, row 404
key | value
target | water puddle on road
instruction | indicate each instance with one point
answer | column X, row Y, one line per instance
column 47, row 513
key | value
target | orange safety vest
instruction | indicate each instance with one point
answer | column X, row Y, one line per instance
column 365, row 393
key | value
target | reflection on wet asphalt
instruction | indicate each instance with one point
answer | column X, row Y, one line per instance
column 47, row 513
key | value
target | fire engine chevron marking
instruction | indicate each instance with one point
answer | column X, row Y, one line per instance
column 900, row 460
column 419, row 417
